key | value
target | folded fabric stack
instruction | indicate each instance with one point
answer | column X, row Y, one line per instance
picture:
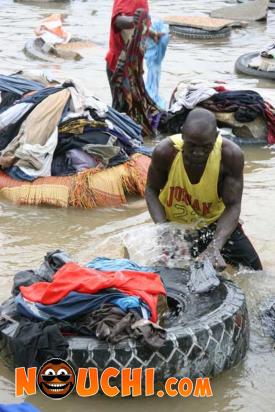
column 111, row 299
column 59, row 131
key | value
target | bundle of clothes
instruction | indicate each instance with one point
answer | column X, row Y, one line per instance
column 53, row 129
column 110, row 299
column 246, row 105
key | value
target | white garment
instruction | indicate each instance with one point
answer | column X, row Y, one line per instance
column 190, row 96
column 13, row 114
column 41, row 154
column 79, row 103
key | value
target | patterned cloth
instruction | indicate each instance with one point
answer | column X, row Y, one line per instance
column 129, row 93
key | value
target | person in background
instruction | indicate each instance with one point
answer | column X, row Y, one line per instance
column 197, row 179
column 125, row 16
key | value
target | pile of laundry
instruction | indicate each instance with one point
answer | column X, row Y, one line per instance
column 50, row 129
column 245, row 106
column 111, row 299
column 57, row 130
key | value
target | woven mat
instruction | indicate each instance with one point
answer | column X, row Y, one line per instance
column 198, row 22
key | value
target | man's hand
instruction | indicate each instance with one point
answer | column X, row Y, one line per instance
column 215, row 257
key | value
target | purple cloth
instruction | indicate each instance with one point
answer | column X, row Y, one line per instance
column 81, row 160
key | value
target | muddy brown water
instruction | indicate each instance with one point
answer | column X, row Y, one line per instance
column 27, row 233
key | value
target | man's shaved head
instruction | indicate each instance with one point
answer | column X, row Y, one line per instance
column 200, row 122
column 199, row 133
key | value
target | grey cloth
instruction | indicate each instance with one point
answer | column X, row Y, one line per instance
column 52, row 262
column 203, row 277
column 104, row 152
column 112, row 324
column 190, row 96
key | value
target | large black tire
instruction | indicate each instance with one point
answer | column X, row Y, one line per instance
column 241, row 66
column 205, row 335
column 193, row 33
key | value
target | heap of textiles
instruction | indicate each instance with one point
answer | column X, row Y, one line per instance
column 245, row 104
column 111, row 299
column 59, row 131
column 49, row 132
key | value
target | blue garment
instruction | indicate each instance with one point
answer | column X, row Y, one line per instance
column 106, row 264
column 40, row 95
column 18, row 85
column 18, row 407
column 144, row 150
column 16, row 173
column 133, row 302
column 72, row 306
column 154, row 55
column 124, row 122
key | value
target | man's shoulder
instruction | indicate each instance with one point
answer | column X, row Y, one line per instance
column 164, row 151
column 232, row 156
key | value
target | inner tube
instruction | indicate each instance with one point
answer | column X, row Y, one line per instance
column 241, row 66
column 194, row 33
column 206, row 334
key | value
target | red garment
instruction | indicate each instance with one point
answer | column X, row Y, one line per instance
column 73, row 277
column 270, row 119
column 220, row 89
column 116, row 44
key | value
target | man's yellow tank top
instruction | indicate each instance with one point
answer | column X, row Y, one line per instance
column 193, row 204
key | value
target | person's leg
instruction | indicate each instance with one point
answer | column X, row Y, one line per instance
column 239, row 250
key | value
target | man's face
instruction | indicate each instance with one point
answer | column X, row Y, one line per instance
column 198, row 147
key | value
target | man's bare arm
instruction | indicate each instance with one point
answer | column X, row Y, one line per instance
column 231, row 193
column 156, row 179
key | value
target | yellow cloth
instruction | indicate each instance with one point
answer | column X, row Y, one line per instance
column 194, row 204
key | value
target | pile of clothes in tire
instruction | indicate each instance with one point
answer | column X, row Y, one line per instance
column 110, row 299
column 53, row 129
column 245, row 106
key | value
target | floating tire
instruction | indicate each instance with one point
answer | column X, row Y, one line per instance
column 193, row 33
column 33, row 49
column 241, row 66
column 200, row 345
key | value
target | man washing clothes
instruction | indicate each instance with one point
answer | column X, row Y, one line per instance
column 196, row 179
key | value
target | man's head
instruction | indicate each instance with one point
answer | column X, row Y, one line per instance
column 199, row 133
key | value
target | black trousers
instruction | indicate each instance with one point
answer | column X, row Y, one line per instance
column 237, row 250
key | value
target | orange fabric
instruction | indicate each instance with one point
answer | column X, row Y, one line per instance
column 73, row 277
